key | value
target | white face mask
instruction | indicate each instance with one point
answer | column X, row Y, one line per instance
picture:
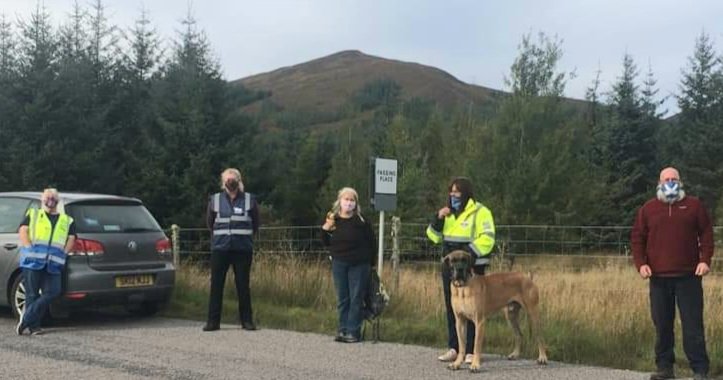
column 348, row 206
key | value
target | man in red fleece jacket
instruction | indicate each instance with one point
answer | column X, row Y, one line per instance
column 672, row 241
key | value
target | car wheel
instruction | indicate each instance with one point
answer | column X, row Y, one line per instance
column 144, row 309
column 17, row 296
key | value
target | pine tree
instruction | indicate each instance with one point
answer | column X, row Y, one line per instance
column 699, row 128
column 8, row 107
column 630, row 154
column 35, row 151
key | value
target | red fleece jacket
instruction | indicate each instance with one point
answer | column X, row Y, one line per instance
column 672, row 238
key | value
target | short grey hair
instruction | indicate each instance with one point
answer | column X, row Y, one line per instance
column 47, row 193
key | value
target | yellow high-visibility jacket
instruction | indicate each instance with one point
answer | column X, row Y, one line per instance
column 473, row 226
column 48, row 242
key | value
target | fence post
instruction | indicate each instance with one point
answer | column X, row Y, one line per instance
column 176, row 241
column 396, row 229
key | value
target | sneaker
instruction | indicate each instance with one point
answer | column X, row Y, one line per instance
column 339, row 337
column 448, row 356
column 20, row 328
column 700, row 376
column 350, row 338
column 663, row 374
column 36, row 331
column 468, row 358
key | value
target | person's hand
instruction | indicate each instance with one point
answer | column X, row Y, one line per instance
column 645, row 271
column 443, row 212
column 702, row 269
column 329, row 223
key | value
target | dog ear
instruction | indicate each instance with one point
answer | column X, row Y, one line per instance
column 445, row 260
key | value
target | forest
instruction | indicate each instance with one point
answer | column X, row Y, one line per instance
column 94, row 107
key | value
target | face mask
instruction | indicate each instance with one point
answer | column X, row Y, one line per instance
column 348, row 206
column 231, row 185
column 455, row 202
column 670, row 191
column 51, row 203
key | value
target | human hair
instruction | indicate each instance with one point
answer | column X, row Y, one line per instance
column 336, row 207
column 236, row 173
column 49, row 192
column 464, row 185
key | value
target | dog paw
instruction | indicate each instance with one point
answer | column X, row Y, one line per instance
column 453, row 366
column 542, row 360
column 513, row 356
column 475, row 368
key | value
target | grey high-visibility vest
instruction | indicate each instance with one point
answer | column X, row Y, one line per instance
column 233, row 227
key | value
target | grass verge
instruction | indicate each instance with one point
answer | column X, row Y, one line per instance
column 597, row 315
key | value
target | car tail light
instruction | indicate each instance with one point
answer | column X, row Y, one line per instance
column 163, row 247
column 76, row 295
column 86, row 247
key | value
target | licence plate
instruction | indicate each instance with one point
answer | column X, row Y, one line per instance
column 133, row 281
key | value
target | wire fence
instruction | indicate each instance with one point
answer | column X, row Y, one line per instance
column 413, row 245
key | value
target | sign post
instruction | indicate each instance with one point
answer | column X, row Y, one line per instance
column 385, row 197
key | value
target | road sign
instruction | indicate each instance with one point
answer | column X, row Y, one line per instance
column 385, row 184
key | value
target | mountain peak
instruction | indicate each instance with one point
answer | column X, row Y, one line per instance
column 325, row 84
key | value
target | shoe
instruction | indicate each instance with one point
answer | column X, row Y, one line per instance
column 662, row 374
column 211, row 327
column 36, row 331
column 350, row 338
column 700, row 376
column 468, row 358
column 448, row 356
column 20, row 328
column 339, row 337
column 250, row 326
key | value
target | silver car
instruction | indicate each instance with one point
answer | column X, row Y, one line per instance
column 121, row 256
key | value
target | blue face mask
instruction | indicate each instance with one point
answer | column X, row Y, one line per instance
column 670, row 189
column 455, row 202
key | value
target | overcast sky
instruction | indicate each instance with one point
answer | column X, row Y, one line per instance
column 474, row 40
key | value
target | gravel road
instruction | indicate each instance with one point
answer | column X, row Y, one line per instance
column 121, row 347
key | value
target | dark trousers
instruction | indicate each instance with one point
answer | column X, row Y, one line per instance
column 687, row 292
column 351, row 282
column 241, row 263
column 453, row 341
column 36, row 304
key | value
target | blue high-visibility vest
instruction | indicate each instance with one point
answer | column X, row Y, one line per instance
column 233, row 227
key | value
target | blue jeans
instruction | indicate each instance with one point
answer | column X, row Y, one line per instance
column 36, row 304
column 351, row 282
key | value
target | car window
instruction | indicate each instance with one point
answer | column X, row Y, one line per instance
column 12, row 211
column 115, row 218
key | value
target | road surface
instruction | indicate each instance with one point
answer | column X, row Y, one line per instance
column 122, row 347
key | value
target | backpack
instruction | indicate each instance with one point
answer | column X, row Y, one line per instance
column 376, row 298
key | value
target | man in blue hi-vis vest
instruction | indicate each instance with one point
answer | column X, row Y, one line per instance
column 46, row 236
column 233, row 218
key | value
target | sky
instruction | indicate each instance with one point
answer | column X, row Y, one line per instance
column 474, row 40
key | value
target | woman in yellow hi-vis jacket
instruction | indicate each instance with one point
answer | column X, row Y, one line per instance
column 468, row 225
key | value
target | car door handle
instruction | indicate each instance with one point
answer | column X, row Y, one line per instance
column 10, row 246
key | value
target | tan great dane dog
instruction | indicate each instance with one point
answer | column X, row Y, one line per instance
column 475, row 297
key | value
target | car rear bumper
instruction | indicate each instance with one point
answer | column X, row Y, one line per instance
column 84, row 286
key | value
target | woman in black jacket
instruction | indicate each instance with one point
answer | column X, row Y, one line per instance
column 350, row 239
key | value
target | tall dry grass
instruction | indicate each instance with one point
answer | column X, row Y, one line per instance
column 596, row 314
